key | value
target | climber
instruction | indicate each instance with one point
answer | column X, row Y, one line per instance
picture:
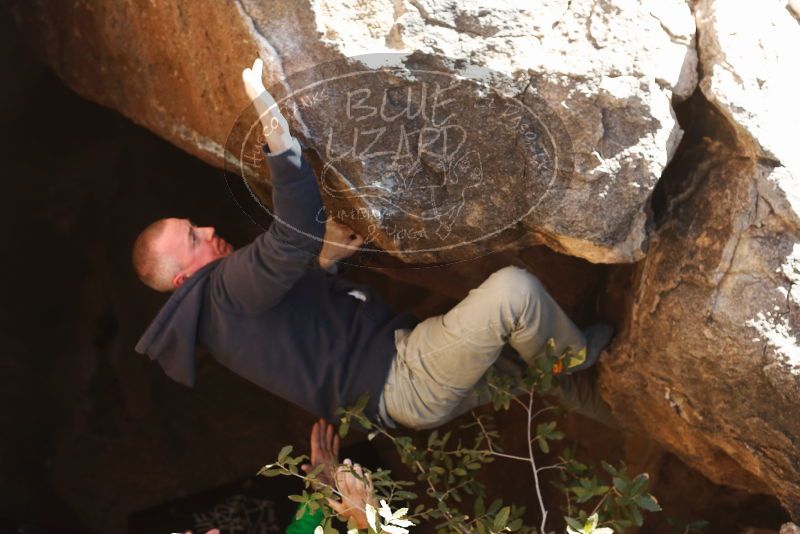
column 276, row 313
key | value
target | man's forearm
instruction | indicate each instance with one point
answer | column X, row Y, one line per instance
column 276, row 130
column 296, row 199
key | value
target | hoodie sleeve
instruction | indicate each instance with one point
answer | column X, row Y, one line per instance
column 257, row 276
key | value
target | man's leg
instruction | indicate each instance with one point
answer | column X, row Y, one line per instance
column 578, row 392
column 439, row 362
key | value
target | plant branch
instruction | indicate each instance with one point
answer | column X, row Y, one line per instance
column 543, row 410
column 491, row 447
column 556, row 466
column 447, row 514
column 533, row 461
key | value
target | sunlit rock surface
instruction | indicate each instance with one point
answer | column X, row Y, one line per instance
column 562, row 143
column 709, row 363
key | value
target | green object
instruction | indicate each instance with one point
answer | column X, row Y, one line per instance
column 306, row 522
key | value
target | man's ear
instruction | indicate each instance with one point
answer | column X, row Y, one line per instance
column 178, row 280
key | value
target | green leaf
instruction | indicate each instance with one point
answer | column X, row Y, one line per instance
column 609, row 468
column 361, row 403
column 574, row 523
column 601, row 490
column 516, row 524
column 620, row 485
column 284, row 453
column 292, row 461
column 620, row 525
column 501, row 519
column 647, row 502
column 637, row 516
column 494, row 507
column 479, row 507
column 582, row 494
column 543, row 429
column 316, row 471
column 543, row 445
column 639, row 483
column 365, row 423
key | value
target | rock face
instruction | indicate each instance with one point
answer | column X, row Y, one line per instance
column 569, row 106
column 578, row 117
column 559, row 128
column 709, row 362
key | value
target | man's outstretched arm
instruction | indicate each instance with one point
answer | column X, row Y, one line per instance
column 274, row 124
column 259, row 275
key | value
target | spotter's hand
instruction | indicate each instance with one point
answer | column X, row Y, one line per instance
column 324, row 452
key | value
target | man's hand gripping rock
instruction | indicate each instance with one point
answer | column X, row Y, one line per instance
column 276, row 128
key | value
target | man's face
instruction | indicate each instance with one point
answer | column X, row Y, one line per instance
column 191, row 246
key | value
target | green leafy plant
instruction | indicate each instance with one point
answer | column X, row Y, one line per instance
column 447, row 493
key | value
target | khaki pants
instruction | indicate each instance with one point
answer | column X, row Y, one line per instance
column 438, row 364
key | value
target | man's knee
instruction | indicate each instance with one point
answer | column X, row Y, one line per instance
column 512, row 281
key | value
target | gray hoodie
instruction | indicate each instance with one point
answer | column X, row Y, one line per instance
column 269, row 313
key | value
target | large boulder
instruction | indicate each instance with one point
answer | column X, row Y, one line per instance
column 559, row 119
column 567, row 112
column 709, row 361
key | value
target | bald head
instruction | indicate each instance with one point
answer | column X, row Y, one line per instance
column 153, row 267
column 170, row 250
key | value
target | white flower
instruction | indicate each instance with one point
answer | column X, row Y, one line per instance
column 393, row 521
column 591, row 527
column 371, row 517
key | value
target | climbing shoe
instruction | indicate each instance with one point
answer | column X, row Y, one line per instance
column 598, row 336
